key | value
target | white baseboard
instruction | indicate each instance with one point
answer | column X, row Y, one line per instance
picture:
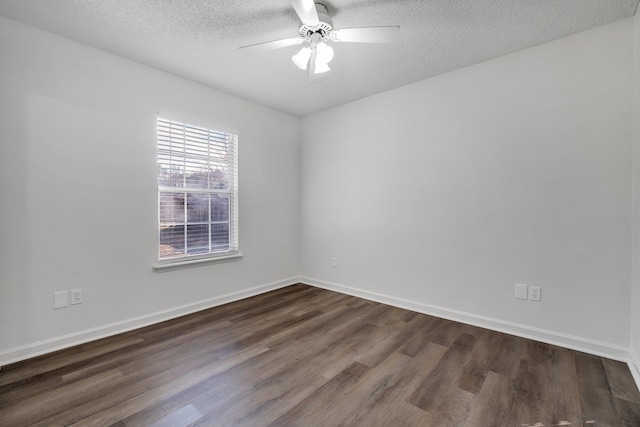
column 38, row 348
column 634, row 367
column 582, row 344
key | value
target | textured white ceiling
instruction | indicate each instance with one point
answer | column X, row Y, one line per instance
column 199, row 39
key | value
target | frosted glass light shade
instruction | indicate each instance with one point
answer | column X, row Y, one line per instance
column 321, row 67
column 301, row 59
column 324, row 53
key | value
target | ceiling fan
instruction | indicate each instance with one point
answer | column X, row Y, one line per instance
column 316, row 30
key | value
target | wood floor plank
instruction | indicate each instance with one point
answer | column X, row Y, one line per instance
column 387, row 315
column 257, row 334
column 273, row 374
column 537, row 352
column 628, row 413
column 424, row 336
column 407, row 316
column 429, row 394
column 397, row 414
column 590, row 370
column 620, row 381
column 392, row 342
column 562, row 401
column 263, row 406
column 162, row 391
column 316, row 361
column 527, row 395
column 386, row 405
column 318, row 326
column 597, row 405
column 507, row 360
column 491, row 407
column 301, row 356
column 220, row 389
column 340, row 321
column 421, row 366
column 147, row 378
column 448, row 332
column 476, row 368
column 316, row 407
column 14, row 376
column 453, row 408
column 359, row 343
column 368, row 392
column 595, row 395
column 53, row 402
column 181, row 417
column 222, row 383
column 322, row 301
column 178, row 346
column 269, row 389
column 38, row 386
column 112, row 393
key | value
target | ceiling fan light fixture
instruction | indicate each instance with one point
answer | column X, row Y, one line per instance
column 321, row 67
column 316, row 29
column 301, row 59
column 324, row 53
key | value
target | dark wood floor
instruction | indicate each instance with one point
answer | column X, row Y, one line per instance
column 302, row 356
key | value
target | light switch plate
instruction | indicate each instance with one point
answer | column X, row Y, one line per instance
column 521, row 291
column 60, row 299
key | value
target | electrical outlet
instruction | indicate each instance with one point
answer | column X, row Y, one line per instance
column 60, row 299
column 334, row 262
column 76, row 296
column 535, row 293
column 521, row 291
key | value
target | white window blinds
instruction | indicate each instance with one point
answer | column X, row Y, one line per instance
column 197, row 192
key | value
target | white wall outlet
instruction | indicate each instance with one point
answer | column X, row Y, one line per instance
column 334, row 262
column 535, row 293
column 521, row 291
column 76, row 296
column 60, row 299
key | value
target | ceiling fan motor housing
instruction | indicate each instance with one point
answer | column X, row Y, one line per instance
column 323, row 29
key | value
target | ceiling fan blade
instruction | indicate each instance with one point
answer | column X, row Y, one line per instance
column 306, row 10
column 367, row 34
column 276, row 44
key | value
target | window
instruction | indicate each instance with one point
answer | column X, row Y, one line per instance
column 197, row 192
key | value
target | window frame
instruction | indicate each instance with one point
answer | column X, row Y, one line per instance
column 168, row 145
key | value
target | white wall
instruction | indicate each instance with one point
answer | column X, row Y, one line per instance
column 441, row 195
column 78, row 192
column 635, row 285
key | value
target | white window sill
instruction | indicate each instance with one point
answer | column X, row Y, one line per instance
column 177, row 265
